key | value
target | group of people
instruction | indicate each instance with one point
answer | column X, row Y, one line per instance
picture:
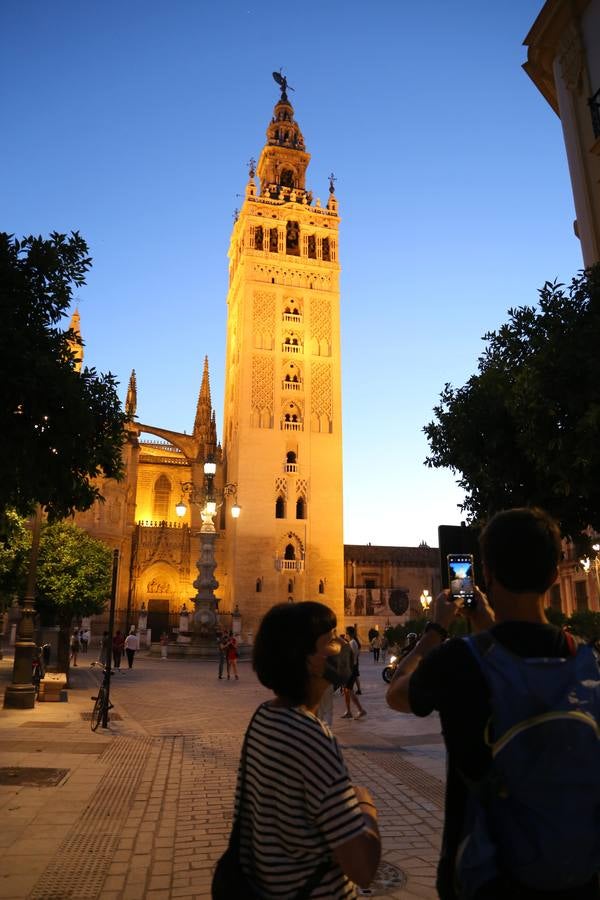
column 227, row 646
column 130, row 644
column 519, row 702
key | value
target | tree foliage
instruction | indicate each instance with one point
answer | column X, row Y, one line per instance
column 525, row 430
column 60, row 428
column 15, row 545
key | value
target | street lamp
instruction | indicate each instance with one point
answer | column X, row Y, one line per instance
column 206, row 497
column 425, row 599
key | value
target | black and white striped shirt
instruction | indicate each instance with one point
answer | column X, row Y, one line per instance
column 299, row 805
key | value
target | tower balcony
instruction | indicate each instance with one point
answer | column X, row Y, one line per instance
column 291, row 348
column 296, row 318
column 289, row 565
column 291, row 385
column 292, row 426
column 291, row 468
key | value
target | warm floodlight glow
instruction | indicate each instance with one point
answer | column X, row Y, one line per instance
column 210, row 467
column 211, row 507
column 425, row 599
column 235, row 511
column 181, row 509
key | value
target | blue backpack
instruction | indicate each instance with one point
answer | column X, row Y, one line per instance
column 536, row 816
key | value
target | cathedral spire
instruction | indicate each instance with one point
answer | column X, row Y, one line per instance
column 131, row 399
column 76, row 344
column 202, row 422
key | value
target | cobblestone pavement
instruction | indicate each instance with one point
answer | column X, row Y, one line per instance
column 144, row 810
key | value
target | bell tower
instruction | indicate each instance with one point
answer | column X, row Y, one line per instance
column 282, row 441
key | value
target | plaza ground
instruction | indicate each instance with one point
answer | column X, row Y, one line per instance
column 144, row 810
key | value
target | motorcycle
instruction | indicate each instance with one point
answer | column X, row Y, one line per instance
column 387, row 673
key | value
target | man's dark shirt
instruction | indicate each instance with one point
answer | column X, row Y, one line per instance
column 450, row 680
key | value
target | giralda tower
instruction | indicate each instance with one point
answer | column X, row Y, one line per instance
column 282, row 434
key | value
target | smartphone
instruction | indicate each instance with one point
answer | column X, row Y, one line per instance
column 461, row 579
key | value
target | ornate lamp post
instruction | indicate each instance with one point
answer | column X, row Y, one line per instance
column 205, row 602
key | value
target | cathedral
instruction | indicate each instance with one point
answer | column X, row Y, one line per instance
column 279, row 464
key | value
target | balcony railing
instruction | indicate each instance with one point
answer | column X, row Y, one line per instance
column 291, row 468
column 594, row 105
column 289, row 565
column 291, row 348
column 292, row 317
column 291, row 426
column 291, row 386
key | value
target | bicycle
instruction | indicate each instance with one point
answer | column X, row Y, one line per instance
column 102, row 704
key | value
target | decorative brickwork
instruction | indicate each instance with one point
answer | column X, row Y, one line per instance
column 320, row 326
column 320, row 395
column 263, row 374
column 263, row 319
column 281, row 487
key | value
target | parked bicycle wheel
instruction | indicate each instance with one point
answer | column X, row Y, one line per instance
column 99, row 707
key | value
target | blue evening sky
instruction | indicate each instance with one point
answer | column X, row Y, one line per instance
column 132, row 121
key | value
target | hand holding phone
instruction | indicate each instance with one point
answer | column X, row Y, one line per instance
column 461, row 579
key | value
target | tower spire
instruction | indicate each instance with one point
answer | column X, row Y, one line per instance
column 131, row 399
column 202, row 423
column 76, row 343
column 283, row 161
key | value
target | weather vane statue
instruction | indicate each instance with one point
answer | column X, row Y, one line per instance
column 283, row 84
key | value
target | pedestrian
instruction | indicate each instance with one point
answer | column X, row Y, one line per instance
column 117, row 650
column 376, row 647
column 222, row 640
column 164, row 645
column 356, row 659
column 522, row 810
column 84, row 639
column 232, row 656
column 74, row 648
column 322, row 830
column 131, row 645
column 104, row 655
column 349, row 695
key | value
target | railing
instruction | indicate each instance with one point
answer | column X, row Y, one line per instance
column 291, row 386
column 291, row 348
column 292, row 317
column 159, row 523
column 594, row 105
column 289, row 565
column 291, row 426
column 291, row 468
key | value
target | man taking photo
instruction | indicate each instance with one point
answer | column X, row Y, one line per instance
column 519, row 703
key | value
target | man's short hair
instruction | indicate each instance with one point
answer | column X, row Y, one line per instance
column 286, row 636
column 522, row 548
column 351, row 630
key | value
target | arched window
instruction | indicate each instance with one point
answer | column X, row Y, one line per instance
column 325, row 249
column 258, row 585
column 290, row 552
column 280, row 509
column 290, row 456
column 287, row 176
column 258, row 237
column 300, row 508
column 290, row 586
column 321, row 586
column 162, row 498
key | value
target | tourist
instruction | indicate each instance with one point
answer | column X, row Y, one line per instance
column 74, row 648
column 322, row 830
column 232, row 655
column 349, row 695
column 131, row 645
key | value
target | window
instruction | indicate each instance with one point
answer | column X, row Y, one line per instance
column 321, row 586
column 258, row 237
column 581, row 596
column 290, row 552
column 258, row 585
column 326, row 250
column 300, row 508
column 162, row 498
column 291, row 586
column 280, row 508
column 370, row 582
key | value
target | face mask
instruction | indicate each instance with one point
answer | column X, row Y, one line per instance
column 332, row 671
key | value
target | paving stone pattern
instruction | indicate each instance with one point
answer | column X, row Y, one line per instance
column 145, row 810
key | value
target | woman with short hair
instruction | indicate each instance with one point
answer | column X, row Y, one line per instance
column 302, row 821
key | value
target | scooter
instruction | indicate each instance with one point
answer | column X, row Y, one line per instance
column 387, row 673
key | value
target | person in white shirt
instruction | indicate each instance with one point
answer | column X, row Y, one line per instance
column 131, row 645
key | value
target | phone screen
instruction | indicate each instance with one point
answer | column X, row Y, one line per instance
column 461, row 578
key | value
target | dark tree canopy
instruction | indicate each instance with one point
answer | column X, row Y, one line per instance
column 60, row 428
column 525, row 430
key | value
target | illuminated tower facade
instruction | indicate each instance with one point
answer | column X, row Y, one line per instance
column 282, row 440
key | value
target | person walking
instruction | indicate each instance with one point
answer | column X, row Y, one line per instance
column 84, row 638
column 117, row 650
column 222, row 640
column 164, row 645
column 349, row 695
column 232, row 656
column 74, row 648
column 323, row 836
column 131, row 645
column 104, row 655
column 376, row 647
column 522, row 811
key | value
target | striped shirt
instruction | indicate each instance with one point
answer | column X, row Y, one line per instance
column 299, row 805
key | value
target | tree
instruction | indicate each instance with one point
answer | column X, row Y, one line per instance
column 15, row 545
column 73, row 579
column 60, row 428
column 525, row 430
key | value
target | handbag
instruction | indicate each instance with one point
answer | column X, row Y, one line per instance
column 229, row 881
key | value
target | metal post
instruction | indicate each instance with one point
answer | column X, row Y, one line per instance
column 111, row 625
column 20, row 694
